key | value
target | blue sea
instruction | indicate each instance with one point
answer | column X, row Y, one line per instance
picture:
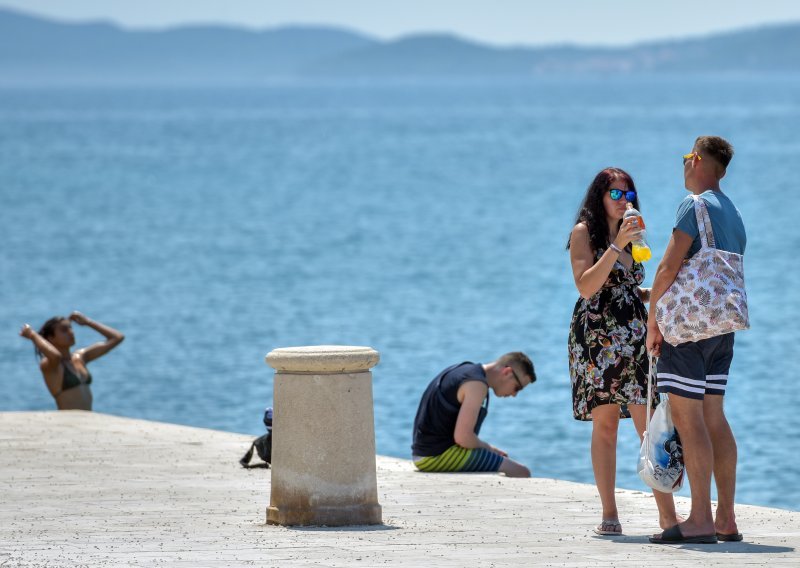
column 426, row 220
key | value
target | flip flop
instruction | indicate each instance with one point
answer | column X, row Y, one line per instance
column 605, row 532
column 730, row 537
column 674, row 535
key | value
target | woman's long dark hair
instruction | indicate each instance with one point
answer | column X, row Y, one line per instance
column 593, row 212
column 46, row 331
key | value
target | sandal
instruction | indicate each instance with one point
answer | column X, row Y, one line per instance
column 609, row 528
column 674, row 535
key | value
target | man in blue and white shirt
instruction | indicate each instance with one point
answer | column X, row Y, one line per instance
column 695, row 374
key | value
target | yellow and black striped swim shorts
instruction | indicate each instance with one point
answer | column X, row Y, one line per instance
column 456, row 458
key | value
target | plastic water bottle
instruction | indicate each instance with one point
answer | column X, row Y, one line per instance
column 640, row 250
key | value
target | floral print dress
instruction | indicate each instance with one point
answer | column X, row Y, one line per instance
column 608, row 361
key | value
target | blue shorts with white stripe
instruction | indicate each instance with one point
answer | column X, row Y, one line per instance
column 695, row 369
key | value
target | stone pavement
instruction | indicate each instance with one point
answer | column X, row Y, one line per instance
column 87, row 489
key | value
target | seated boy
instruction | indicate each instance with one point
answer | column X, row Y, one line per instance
column 452, row 410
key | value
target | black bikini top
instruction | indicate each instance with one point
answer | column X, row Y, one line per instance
column 72, row 379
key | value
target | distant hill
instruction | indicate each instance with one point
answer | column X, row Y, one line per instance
column 38, row 51
column 34, row 50
column 765, row 49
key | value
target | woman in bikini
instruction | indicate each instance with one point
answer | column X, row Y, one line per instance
column 65, row 372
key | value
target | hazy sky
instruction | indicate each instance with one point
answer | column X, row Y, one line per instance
column 494, row 21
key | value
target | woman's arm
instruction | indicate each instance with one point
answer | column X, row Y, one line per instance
column 113, row 338
column 590, row 275
column 678, row 247
column 51, row 354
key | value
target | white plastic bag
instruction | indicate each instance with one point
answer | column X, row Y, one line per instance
column 661, row 455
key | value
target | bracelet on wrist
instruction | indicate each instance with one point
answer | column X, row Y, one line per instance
column 616, row 248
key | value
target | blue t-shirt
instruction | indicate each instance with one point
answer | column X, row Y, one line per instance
column 726, row 221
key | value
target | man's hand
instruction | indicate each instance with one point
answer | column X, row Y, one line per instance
column 497, row 450
column 654, row 338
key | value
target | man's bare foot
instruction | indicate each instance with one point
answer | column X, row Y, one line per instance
column 669, row 522
column 690, row 529
column 727, row 531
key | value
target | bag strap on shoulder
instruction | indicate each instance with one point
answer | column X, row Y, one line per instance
column 704, row 223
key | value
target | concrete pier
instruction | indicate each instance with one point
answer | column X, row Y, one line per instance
column 84, row 489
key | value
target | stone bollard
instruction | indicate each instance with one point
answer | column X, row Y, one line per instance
column 323, row 443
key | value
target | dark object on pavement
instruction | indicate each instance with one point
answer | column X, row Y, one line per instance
column 674, row 535
column 262, row 445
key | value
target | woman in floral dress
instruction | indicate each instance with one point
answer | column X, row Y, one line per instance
column 608, row 360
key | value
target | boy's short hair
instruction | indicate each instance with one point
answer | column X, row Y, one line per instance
column 715, row 147
column 519, row 359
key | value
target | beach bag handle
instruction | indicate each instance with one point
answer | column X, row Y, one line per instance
column 704, row 223
column 660, row 467
column 651, row 379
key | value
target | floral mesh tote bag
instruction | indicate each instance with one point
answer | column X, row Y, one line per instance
column 707, row 297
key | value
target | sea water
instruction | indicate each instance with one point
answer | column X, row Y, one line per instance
column 426, row 220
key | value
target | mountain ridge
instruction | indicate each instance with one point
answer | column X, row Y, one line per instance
column 41, row 51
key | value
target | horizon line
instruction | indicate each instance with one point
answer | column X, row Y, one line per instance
column 394, row 39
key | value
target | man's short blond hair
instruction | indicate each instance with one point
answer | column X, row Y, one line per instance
column 715, row 147
column 520, row 361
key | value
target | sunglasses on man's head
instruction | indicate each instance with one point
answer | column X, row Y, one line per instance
column 616, row 194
